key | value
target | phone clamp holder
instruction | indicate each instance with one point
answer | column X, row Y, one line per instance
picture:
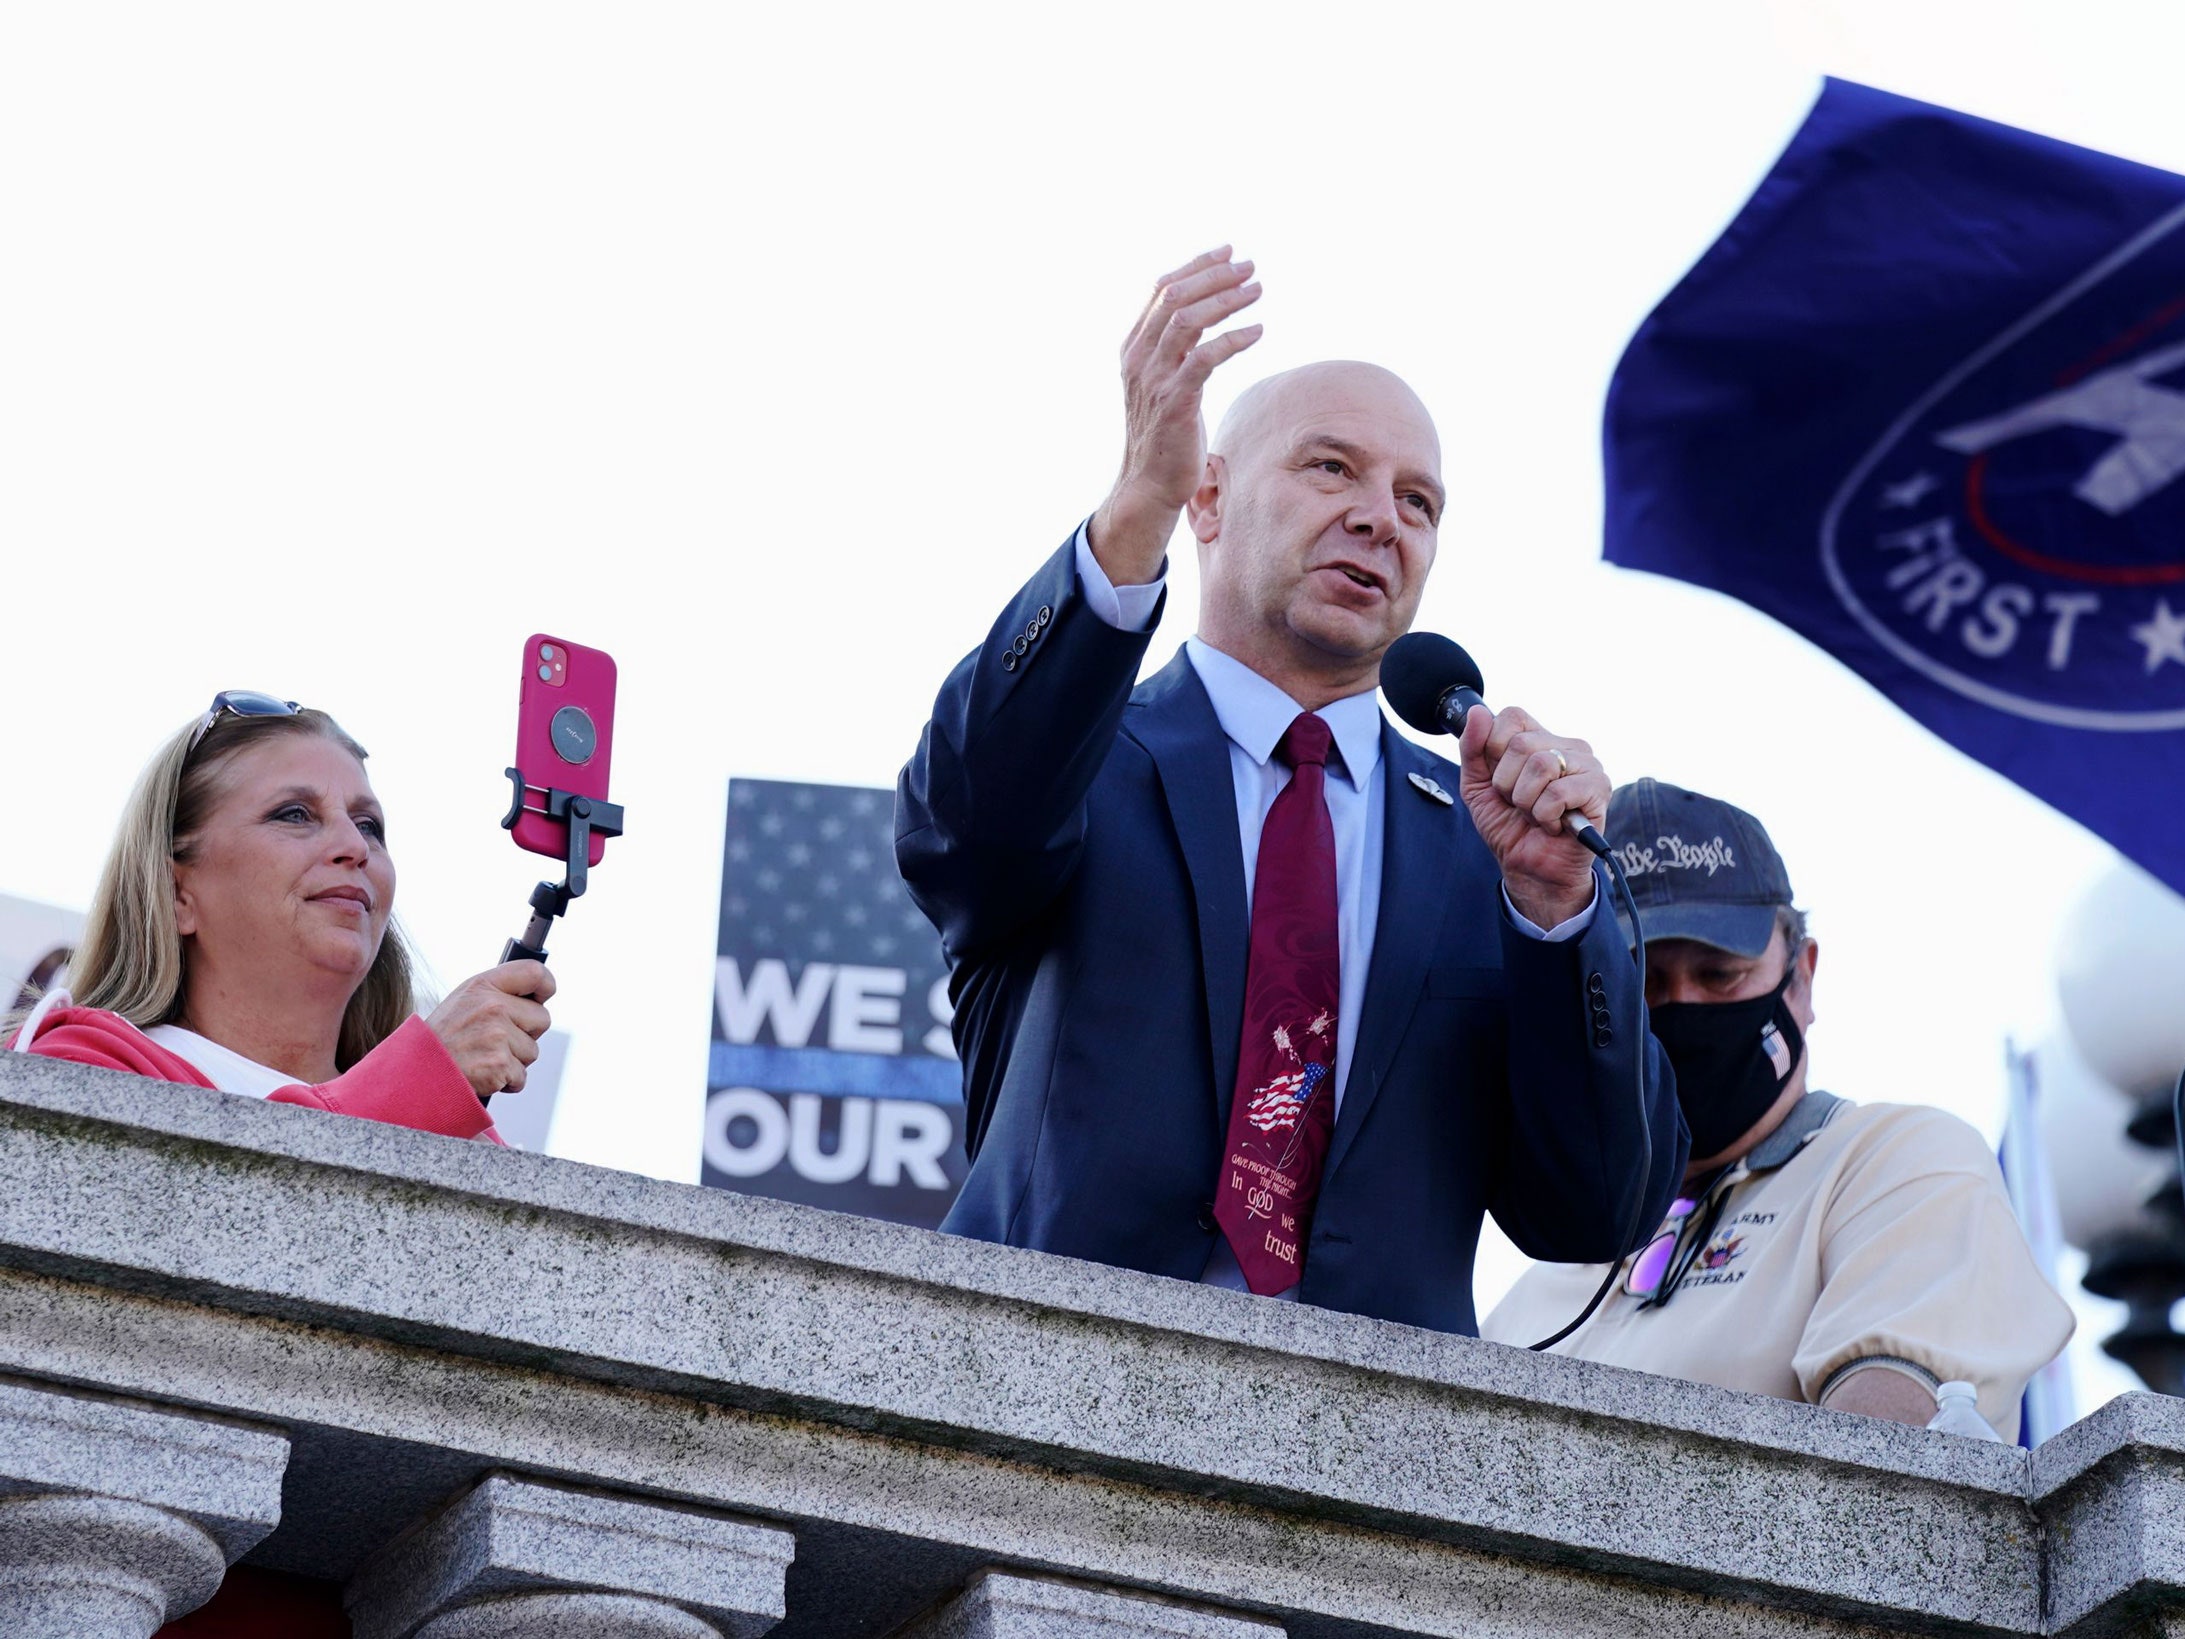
column 586, row 817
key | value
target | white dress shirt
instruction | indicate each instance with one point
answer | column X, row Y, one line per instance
column 1255, row 714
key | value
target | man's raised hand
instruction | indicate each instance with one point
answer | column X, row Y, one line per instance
column 1518, row 783
column 1165, row 366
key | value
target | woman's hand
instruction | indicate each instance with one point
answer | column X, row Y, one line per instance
column 491, row 1024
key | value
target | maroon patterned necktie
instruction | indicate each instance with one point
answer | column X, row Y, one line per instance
column 1283, row 1110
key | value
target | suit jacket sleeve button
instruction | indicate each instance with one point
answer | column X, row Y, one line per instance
column 1008, row 660
column 1046, row 613
column 1020, row 645
column 1594, row 984
column 1206, row 1217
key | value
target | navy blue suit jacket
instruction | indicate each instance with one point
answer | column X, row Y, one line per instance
column 1075, row 841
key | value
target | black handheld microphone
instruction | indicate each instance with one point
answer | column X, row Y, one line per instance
column 1432, row 683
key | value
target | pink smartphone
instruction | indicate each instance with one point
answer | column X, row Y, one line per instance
column 565, row 725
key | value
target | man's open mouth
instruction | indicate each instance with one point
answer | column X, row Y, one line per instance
column 1357, row 576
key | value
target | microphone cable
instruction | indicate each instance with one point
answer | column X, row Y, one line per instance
column 1434, row 684
column 1633, row 1224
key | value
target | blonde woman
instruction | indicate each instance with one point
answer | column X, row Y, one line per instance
column 240, row 940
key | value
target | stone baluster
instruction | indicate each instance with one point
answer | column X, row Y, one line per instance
column 116, row 1517
column 514, row 1559
column 1000, row 1605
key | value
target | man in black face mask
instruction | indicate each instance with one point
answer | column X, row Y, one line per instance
column 1852, row 1256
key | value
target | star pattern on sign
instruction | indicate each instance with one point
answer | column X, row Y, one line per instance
column 1911, row 491
column 809, row 876
column 2162, row 636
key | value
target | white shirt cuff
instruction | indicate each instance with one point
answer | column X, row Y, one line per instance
column 1570, row 928
column 1126, row 608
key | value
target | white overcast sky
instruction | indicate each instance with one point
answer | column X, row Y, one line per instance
column 769, row 348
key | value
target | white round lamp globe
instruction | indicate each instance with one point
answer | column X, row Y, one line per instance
column 2120, row 977
column 2102, row 1179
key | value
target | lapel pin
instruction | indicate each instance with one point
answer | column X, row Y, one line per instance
column 1433, row 790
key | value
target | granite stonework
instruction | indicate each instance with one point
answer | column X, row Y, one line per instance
column 221, row 1475
column 1000, row 1606
column 92, row 1568
column 2111, row 1492
column 569, row 1616
column 116, row 1517
column 415, row 1314
column 526, row 1549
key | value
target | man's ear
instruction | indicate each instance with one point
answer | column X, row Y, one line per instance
column 1204, row 507
column 1808, row 959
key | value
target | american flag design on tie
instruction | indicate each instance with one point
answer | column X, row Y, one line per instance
column 1278, row 1105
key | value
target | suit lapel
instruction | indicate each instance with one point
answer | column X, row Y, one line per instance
column 1419, row 849
column 1177, row 726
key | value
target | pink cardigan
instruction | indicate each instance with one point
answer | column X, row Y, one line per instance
column 409, row 1079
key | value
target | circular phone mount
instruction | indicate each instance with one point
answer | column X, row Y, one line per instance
column 574, row 737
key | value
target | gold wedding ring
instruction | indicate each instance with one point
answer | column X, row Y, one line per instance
column 1562, row 765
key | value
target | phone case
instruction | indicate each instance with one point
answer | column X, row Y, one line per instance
column 565, row 722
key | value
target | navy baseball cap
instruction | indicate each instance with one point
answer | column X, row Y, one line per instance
column 1698, row 868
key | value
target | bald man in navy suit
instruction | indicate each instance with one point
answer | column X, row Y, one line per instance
column 1473, row 1035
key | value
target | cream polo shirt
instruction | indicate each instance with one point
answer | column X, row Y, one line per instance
column 1853, row 1231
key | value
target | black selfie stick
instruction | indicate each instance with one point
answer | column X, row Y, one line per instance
column 586, row 817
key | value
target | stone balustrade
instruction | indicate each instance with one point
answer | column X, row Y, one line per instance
column 489, row 1393
column 115, row 1515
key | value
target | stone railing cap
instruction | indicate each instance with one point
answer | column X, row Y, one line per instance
column 930, row 1259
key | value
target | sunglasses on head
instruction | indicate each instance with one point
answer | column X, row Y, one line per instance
column 241, row 703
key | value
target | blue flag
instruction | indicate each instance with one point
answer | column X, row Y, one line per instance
column 1924, row 403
